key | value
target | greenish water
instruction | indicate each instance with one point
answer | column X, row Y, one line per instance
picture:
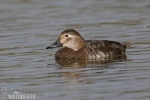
column 27, row 27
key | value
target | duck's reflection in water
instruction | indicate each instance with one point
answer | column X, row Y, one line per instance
column 75, row 76
column 73, row 69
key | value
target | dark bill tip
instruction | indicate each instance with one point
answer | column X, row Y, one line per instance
column 55, row 45
column 49, row 47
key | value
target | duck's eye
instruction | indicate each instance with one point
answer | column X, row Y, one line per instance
column 66, row 35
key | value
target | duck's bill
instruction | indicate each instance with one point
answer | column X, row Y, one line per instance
column 55, row 45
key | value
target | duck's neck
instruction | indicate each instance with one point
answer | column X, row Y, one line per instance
column 79, row 45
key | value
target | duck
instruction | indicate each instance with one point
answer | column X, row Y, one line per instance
column 74, row 46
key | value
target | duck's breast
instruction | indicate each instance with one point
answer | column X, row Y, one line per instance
column 67, row 53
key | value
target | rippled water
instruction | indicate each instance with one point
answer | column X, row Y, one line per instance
column 28, row 26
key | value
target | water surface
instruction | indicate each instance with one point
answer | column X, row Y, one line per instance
column 27, row 27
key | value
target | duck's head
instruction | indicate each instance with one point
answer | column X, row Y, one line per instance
column 69, row 38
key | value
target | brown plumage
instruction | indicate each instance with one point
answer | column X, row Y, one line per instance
column 74, row 46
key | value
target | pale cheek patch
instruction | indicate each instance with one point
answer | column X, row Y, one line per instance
column 69, row 44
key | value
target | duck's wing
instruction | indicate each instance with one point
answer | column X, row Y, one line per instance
column 107, row 47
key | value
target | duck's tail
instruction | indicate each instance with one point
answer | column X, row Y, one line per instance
column 127, row 44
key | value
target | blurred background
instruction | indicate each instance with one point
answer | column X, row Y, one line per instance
column 27, row 27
